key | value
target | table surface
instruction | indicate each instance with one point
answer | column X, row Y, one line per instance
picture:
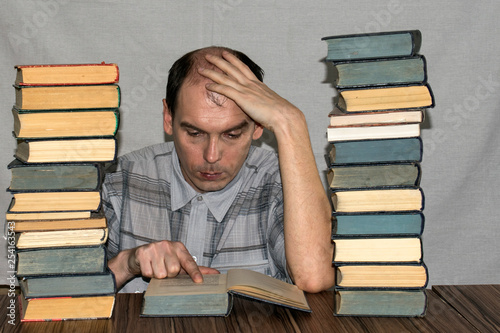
column 450, row 309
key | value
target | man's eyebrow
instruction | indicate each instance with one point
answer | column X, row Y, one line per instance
column 240, row 126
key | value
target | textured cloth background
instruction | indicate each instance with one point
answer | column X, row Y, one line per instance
column 461, row 174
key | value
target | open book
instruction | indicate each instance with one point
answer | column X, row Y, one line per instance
column 180, row 296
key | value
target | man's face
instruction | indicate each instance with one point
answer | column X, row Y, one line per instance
column 212, row 141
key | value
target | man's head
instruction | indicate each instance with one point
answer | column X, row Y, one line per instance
column 212, row 135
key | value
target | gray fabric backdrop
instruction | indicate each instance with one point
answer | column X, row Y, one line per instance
column 461, row 177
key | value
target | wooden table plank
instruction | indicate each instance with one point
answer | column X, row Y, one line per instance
column 250, row 316
column 439, row 318
column 479, row 304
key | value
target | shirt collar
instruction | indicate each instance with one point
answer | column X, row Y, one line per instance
column 218, row 202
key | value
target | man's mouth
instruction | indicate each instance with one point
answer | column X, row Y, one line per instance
column 211, row 175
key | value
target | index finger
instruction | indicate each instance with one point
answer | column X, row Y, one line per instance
column 191, row 268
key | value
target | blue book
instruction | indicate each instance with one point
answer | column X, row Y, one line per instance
column 377, row 225
column 376, row 151
column 373, row 45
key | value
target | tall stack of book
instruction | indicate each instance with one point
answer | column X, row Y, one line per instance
column 65, row 122
column 374, row 173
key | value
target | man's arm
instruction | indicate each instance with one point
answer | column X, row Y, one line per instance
column 307, row 211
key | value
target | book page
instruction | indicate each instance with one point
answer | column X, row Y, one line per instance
column 184, row 285
column 261, row 286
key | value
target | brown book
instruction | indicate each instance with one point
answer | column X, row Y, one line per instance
column 70, row 150
column 93, row 222
column 62, row 308
column 74, row 123
column 58, row 238
column 378, row 200
column 67, row 97
column 369, row 250
column 66, row 74
column 15, row 217
column 55, row 201
column 381, row 276
column 385, row 98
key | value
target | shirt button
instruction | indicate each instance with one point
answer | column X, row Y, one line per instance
column 200, row 198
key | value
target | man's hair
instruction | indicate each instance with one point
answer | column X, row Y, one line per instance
column 186, row 66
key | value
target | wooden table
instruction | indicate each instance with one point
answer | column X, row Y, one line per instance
column 450, row 309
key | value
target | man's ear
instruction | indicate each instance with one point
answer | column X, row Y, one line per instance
column 167, row 118
column 257, row 133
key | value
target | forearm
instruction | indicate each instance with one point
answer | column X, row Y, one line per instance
column 307, row 211
column 119, row 265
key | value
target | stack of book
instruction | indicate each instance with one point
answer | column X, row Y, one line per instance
column 374, row 173
column 65, row 122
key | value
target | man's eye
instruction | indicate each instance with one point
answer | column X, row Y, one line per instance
column 233, row 135
column 193, row 133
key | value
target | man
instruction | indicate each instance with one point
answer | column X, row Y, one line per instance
column 210, row 201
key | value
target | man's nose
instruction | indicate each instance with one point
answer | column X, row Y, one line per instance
column 212, row 152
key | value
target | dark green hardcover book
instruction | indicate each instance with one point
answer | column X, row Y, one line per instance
column 374, row 175
column 395, row 71
column 68, row 285
column 373, row 45
column 56, row 261
column 387, row 303
column 377, row 225
column 55, row 176
column 376, row 151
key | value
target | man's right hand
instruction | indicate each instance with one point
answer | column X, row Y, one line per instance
column 164, row 259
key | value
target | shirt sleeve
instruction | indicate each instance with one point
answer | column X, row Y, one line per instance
column 111, row 203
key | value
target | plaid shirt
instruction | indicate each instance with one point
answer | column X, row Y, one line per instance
column 148, row 200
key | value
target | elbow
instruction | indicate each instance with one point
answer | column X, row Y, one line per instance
column 314, row 284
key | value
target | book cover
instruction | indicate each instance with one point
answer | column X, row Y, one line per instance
column 66, row 74
column 375, row 72
column 374, row 303
column 382, row 131
column 371, row 276
column 409, row 116
column 181, row 296
column 67, row 97
column 378, row 200
column 386, row 224
column 376, row 151
column 373, row 45
column 58, row 261
column 68, row 285
column 66, row 308
column 383, row 98
column 357, row 176
column 66, row 123
column 99, row 149
column 46, row 177
column 61, row 238
column 375, row 249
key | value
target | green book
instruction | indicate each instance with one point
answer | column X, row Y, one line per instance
column 383, row 224
column 55, row 176
column 68, row 285
column 389, row 303
column 180, row 296
column 374, row 175
column 381, row 72
column 56, row 261
column 376, row 151
column 373, row 45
